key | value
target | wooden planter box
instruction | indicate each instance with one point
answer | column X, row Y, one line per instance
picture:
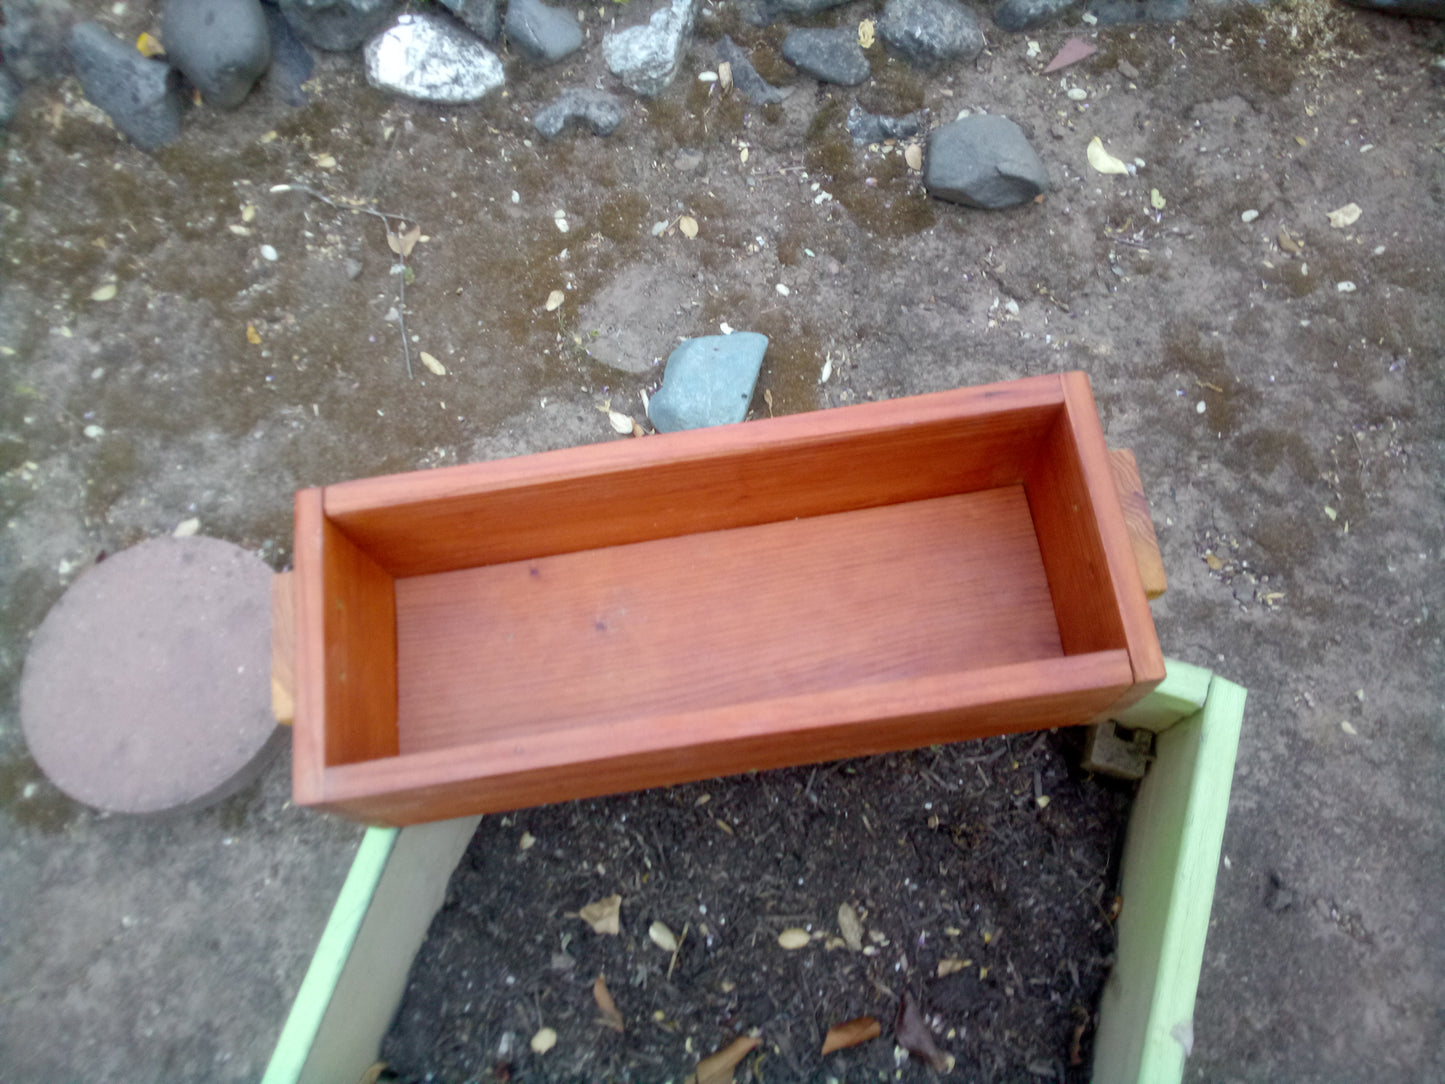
column 648, row 612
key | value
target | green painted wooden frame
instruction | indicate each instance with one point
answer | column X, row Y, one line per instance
column 1171, row 854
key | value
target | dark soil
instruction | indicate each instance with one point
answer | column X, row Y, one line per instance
column 945, row 853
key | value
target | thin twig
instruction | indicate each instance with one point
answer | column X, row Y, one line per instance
column 386, row 219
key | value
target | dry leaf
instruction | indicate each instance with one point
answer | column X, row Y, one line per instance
column 913, row 1035
column 555, row 299
column 865, row 33
column 718, row 1069
column 621, row 422
column 854, row 1032
column 104, row 292
column 252, row 335
column 432, row 364
column 1344, row 216
column 1156, row 200
column 604, row 916
column 373, row 1074
column 725, row 76
column 148, row 46
column 951, row 965
column 662, row 937
column 850, row 926
column 913, row 155
column 1102, row 160
column 688, row 225
column 325, row 161
column 794, row 938
column 1072, row 51
column 409, row 240
column 610, row 1014
column 528, row 840
column 186, row 528
column 543, row 1041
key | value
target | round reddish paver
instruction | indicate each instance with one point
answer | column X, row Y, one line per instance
column 147, row 686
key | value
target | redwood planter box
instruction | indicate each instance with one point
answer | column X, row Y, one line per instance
column 648, row 612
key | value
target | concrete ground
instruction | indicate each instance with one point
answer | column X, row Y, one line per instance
column 1280, row 379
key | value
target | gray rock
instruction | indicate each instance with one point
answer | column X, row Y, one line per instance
column 540, row 32
column 646, row 58
column 482, row 17
column 745, row 77
column 983, row 161
column 1119, row 12
column 141, row 96
column 708, row 381
column 595, row 110
column 337, row 25
column 831, row 56
column 221, row 46
column 1017, row 15
column 291, row 62
column 864, row 127
column 10, row 91
column 431, row 58
column 929, row 33
column 33, row 39
column 1418, row 9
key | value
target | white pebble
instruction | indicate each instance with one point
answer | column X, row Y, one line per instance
column 1077, row 94
column 1199, row 407
column 1346, row 287
column 516, row 196
column 268, row 253
column 782, row 289
column 1249, row 216
column 94, row 432
column 707, row 77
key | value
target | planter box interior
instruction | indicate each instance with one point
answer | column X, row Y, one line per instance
column 648, row 612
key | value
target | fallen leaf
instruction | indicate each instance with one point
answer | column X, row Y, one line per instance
column 248, row 212
column 1289, row 243
column 186, row 528
column 543, row 1041
column 148, row 46
column 688, row 225
column 409, row 240
column 952, row 965
column 1331, row 513
column 1214, row 563
column 718, row 1068
column 662, row 937
column 621, row 422
column 324, row 161
column 725, row 76
column 431, row 363
column 913, row 155
column 555, row 299
column 849, row 924
column 104, row 292
column 854, row 1032
column 1071, row 52
column 1102, row 160
column 1344, row 216
column 794, row 938
column 913, row 1035
column 1348, row 728
column 252, row 335
column 865, row 33
column 604, row 916
column 528, row 840
column 610, row 1014
column 1156, row 200
column 827, row 370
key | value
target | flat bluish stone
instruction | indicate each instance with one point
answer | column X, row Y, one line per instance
column 221, row 46
column 541, row 32
column 983, row 161
column 745, row 77
column 337, row 25
column 708, row 381
column 830, row 56
column 141, row 97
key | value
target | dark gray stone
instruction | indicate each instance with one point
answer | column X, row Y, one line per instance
column 745, row 77
column 1419, row 9
column 864, row 127
column 599, row 112
column 708, row 381
column 221, row 46
column 831, row 56
column 140, row 96
column 482, row 17
column 10, row 91
column 337, row 26
column 1120, row 12
column 291, row 62
column 33, row 39
column 1018, row 15
column 929, row 33
column 433, row 59
column 646, row 58
column 983, row 161
column 541, row 32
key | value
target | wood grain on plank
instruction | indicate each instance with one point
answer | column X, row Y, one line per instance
column 1141, row 525
column 283, row 649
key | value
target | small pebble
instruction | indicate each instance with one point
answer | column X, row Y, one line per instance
column 1346, row 287
column 268, row 253
column 1249, row 216
column 785, row 291
column 1199, row 407
column 1077, row 94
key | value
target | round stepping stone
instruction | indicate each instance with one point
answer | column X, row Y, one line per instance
column 147, row 686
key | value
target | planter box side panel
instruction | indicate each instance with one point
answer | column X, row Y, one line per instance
column 682, row 483
column 1171, row 856
column 562, row 765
